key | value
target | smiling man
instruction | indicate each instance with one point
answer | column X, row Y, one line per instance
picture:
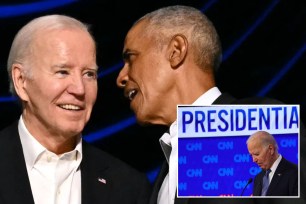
column 279, row 177
column 52, row 68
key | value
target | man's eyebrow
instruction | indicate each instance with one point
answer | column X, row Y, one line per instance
column 62, row 65
column 127, row 54
column 96, row 68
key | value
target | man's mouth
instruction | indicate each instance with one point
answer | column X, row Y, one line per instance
column 131, row 94
column 70, row 107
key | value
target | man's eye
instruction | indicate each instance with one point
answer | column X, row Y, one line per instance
column 126, row 56
column 62, row 72
column 91, row 74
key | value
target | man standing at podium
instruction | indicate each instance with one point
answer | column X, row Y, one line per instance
column 279, row 177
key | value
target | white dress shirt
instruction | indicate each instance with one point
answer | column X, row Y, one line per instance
column 54, row 179
column 274, row 167
column 168, row 189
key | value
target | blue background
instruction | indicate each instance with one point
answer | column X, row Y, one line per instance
column 221, row 166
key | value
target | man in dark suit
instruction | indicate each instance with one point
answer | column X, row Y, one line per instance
column 282, row 175
column 52, row 68
column 170, row 58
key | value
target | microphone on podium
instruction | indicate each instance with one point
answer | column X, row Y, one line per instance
column 249, row 181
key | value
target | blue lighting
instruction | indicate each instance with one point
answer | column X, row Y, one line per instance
column 110, row 130
column 7, row 99
column 153, row 174
column 208, row 5
column 29, row 8
column 259, row 20
column 282, row 72
column 110, row 70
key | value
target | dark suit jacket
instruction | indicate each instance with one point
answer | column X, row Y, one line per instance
column 123, row 183
column 228, row 99
column 283, row 183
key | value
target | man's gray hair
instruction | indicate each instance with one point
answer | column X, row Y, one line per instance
column 164, row 23
column 264, row 137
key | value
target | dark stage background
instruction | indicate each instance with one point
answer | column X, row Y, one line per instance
column 264, row 43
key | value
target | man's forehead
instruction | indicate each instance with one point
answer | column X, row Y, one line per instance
column 254, row 143
column 134, row 41
column 137, row 30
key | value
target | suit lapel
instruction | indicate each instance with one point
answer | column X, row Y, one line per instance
column 15, row 185
column 258, row 187
column 277, row 176
column 96, row 184
column 224, row 98
column 158, row 182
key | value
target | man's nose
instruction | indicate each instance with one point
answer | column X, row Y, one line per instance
column 122, row 78
column 77, row 85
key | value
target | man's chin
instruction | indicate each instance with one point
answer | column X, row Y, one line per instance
column 142, row 122
column 72, row 129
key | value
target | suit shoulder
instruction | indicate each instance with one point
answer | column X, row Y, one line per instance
column 290, row 164
column 8, row 133
column 9, row 128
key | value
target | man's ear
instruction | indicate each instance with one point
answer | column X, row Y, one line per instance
column 272, row 149
column 19, row 80
column 177, row 50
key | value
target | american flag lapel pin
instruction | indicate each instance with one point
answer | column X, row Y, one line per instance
column 102, row 180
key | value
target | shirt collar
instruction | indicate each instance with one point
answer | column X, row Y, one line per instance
column 276, row 163
column 32, row 149
column 205, row 99
column 208, row 97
